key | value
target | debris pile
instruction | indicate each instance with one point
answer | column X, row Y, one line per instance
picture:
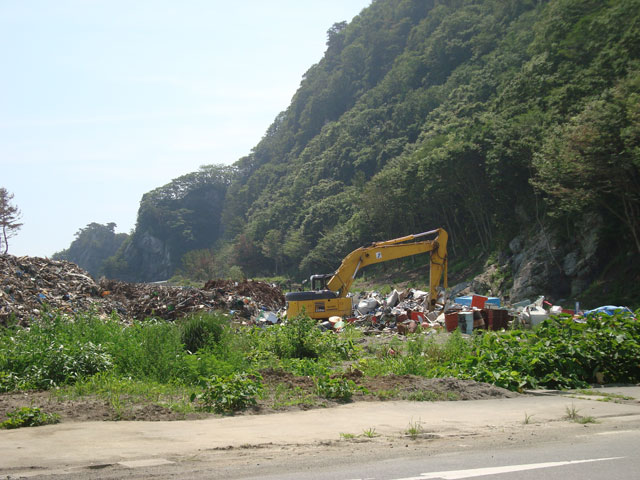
column 28, row 285
column 263, row 294
column 405, row 311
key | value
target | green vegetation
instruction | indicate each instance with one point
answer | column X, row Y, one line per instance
column 370, row 433
column 230, row 393
column 431, row 396
column 415, row 429
column 572, row 413
column 205, row 363
column 28, row 417
column 335, row 388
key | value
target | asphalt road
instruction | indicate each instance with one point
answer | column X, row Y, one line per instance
column 603, row 455
column 520, row 438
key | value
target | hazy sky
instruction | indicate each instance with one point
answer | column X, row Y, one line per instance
column 104, row 100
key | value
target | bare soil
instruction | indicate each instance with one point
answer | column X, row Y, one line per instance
column 282, row 392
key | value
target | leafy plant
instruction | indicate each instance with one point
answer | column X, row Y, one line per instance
column 29, row 417
column 230, row 393
column 335, row 388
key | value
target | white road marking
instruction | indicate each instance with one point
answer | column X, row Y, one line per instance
column 616, row 432
column 478, row 472
column 151, row 462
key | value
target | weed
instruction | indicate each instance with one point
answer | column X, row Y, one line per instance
column 347, row 436
column 370, row 433
column 585, row 420
column 116, row 404
column 527, row 418
column 572, row 412
column 607, row 397
column 29, row 417
column 414, row 429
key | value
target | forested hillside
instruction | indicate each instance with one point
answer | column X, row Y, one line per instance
column 515, row 125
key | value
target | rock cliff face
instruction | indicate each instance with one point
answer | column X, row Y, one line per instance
column 545, row 264
column 540, row 262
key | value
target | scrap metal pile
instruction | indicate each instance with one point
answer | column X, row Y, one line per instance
column 31, row 285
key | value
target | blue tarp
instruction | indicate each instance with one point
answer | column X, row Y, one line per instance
column 608, row 310
column 466, row 300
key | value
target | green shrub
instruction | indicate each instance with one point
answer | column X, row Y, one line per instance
column 335, row 388
column 301, row 338
column 560, row 353
column 228, row 394
column 29, row 417
column 199, row 331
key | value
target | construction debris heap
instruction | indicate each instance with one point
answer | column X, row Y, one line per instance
column 30, row 285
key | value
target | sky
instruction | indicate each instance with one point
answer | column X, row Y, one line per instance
column 102, row 101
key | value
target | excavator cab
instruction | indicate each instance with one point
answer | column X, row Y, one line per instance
column 319, row 282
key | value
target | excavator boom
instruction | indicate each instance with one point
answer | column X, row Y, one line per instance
column 332, row 300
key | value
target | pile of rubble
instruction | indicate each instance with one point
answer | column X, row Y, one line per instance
column 29, row 285
column 267, row 296
column 405, row 311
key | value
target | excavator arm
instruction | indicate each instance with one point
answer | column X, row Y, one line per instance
column 379, row 252
column 331, row 300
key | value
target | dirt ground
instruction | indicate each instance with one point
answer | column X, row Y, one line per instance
column 299, row 393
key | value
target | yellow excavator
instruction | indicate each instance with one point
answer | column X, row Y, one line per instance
column 328, row 295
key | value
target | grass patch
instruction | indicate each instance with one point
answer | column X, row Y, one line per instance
column 414, row 430
column 431, row 396
column 606, row 396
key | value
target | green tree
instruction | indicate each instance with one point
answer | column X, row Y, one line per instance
column 9, row 218
column 272, row 247
column 593, row 161
column 200, row 265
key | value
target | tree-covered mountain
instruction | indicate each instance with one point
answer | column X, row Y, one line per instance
column 92, row 246
column 514, row 124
